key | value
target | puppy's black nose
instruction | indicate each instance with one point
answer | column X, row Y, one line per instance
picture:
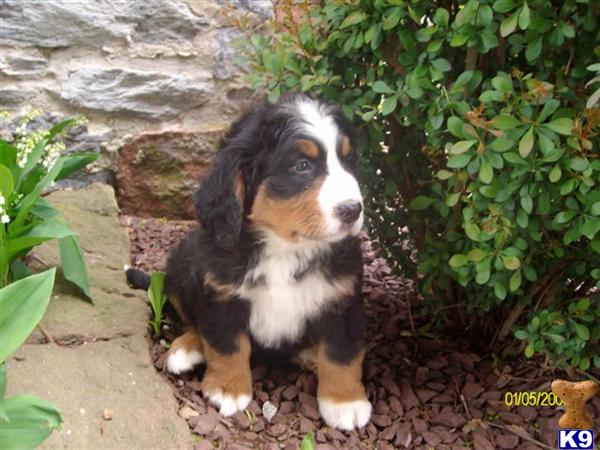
column 348, row 212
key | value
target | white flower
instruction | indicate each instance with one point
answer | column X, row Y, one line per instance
column 5, row 218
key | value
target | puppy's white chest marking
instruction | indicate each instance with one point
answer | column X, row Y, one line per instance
column 281, row 305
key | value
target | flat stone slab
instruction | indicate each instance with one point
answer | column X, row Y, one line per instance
column 118, row 310
column 85, row 380
column 100, row 359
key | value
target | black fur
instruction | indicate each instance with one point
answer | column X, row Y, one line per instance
column 258, row 148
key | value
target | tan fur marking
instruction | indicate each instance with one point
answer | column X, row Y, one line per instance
column 290, row 218
column 222, row 290
column 338, row 382
column 308, row 147
column 345, row 146
column 228, row 373
column 190, row 341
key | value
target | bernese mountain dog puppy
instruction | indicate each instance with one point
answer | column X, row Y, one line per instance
column 276, row 264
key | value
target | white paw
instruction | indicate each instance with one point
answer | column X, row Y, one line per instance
column 228, row 404
column 345, row 415
column 181, row 361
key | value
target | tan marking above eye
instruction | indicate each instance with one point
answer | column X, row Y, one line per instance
column 308, row 147
column 345, row 146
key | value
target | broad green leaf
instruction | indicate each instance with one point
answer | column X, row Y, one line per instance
column 502, row 83
column 582, row 331
column 555, row 173
column 508, row 25
column 30, row 422
column 504, row 6
column 441, row 17
column 595, row 244
column 527, row 204
column 353, row 19
column 521, row 335
column 506, row 122
column 578, row 164
column 462, row 146
column 482, row 277
column 500, row 291
column 534, row 48
column 562, row 126
column 511, row 262
column 524, row 17
column 389, row 105
column 22, row 305
column 565, row 216
column 458, row 39
column 595, row 209
column 455, row 126
column 52, row 228
column 526, row 143
column 308, row 443
column 75, row 161
column 472, row 231
column 7, row 183
column 421, row 202
column 459, row 161
column 591, row 227
column 486, row 173
column 381, row 87
column 444, row 174
column 458, row 260
column 452, row 199
column 476, row 254
column 515, row 281
column 73, row 264
column 441, row 64
column 501, row 144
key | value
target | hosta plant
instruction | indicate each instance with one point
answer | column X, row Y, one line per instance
column 478, row 124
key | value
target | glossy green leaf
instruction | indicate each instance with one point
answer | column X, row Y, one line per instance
column 30, row 422
column 382, row 87
column 526, row 143
column 458, row 260
column 555, row 173
column 524, row 17
column 421, row 202
column 461, row 147
column 353, row 19
column 22, row 305
column 486, row 173
column 459, row 161
column 511, row 262
column 509, row 25
column 561, row 126
column 476, row 254
column 73, row 264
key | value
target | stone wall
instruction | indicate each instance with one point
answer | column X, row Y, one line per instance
column 155, row 78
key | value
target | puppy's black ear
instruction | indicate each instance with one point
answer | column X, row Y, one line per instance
column 219, row 201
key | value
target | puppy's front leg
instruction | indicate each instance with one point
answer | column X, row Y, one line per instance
column 341, row 394
column 228, row 381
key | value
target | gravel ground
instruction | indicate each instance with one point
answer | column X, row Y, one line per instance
column 427, row 393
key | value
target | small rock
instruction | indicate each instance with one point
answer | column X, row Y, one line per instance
column 305, row 425
column 381, row 421
column 204, row 444
column 396, row 405
column 381, row 407
column 408, row 397
column 432, row 438
column 509, row 441
column 472, row 390
column 420, row 425
column 241, row 420
column 206, row 424
column 269, row 410
column 449, row 419
column 290, row 392
column 276, row 430
column 334, row 434
column 425, row 395
column 107, row 414
column 389, row 433
column 187, row 413
column 309, row 411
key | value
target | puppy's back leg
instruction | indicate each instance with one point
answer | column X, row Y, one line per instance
column 186, row 351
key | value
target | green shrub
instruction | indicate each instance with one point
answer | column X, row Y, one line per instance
column 477, row 147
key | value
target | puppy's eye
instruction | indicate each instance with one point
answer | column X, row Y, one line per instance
column 302, row 166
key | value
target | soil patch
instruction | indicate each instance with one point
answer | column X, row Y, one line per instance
column 426, row 392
